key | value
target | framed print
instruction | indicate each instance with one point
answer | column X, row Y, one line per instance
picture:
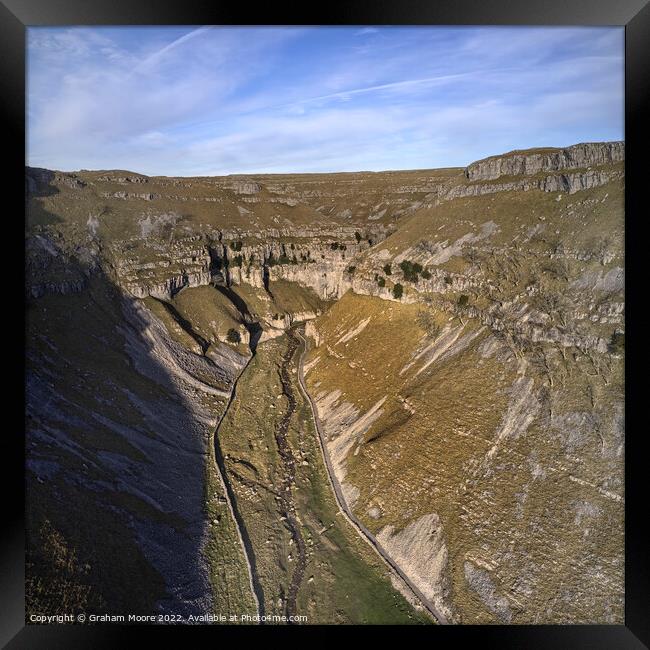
column 327, row 322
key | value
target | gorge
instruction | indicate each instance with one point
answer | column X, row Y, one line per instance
column 358, row 397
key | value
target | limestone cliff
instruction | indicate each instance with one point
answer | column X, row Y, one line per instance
column 529, row 163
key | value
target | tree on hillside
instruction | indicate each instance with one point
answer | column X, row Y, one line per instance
column 233, row 336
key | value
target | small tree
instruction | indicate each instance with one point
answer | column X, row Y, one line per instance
column 398, row 291
column 381, row 282
column 357, row 236
column 387, row 269
column 233, row 336
column 410, row 270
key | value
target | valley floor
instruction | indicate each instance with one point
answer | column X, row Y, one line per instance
column 306, row 557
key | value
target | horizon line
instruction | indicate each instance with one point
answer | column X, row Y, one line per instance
column 296, row 173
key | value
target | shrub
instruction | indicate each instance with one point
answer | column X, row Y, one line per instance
column 237, row 260
column 351, row 269
column 398, row 291
column 426, row 275
column 387, row 269
column 381, row 282
column 236, row 245
column 463, row 300
column 233, row 336
column 357, row 236
column 410, row 270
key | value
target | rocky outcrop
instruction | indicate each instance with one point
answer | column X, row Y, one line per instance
column 246, row 187
column 419, row 550
column 529, row 163
column 569, row 182
column 145, row 196
column 52, row 268
column 127, row 178
column 573, row 183
column 43, row 182
column 320, row 263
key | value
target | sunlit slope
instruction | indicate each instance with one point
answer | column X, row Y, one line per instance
column 477, row 424
column 499, row 245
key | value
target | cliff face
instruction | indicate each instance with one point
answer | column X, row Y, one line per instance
column 468, row 344
column 529, row 163
column 320, row 263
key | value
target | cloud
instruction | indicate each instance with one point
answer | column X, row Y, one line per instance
column 366, row 30
column 184, row 101
column 157, row 56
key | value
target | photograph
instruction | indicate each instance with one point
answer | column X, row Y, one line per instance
column 325, row 325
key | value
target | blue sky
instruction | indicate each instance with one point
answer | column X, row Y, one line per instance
column 219, row 100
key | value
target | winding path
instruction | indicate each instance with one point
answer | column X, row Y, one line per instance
column 343, row 507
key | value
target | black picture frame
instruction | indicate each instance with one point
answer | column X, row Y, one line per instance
column 15, row 15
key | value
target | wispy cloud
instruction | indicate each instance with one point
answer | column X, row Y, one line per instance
column 202, row 100
column 395, row 86
column 157, row 56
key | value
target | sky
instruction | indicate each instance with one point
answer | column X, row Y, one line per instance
column 190, row 101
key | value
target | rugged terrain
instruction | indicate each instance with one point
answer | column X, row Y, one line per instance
column 457, row 454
